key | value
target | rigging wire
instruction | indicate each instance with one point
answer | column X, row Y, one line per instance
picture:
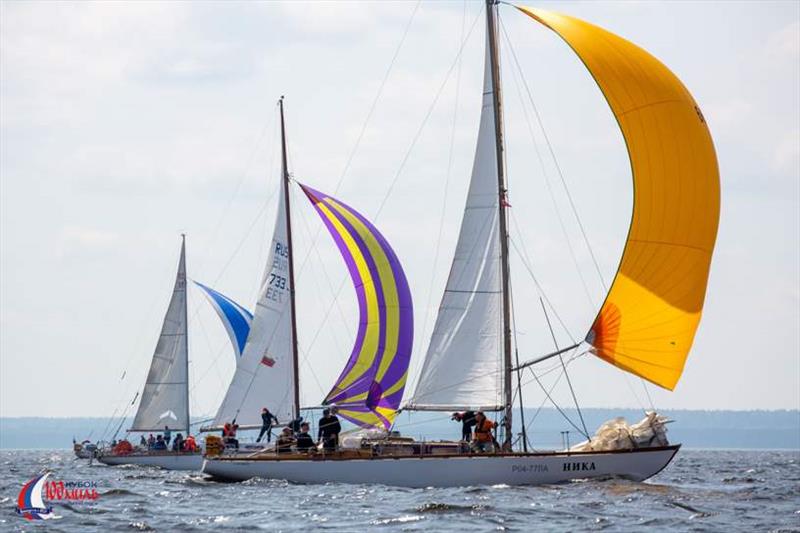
column 364, row 125
column 313, row 247
column 526, row 263
column 425, row 119
column 563, row 366
column 524, row 433
column 583, row 431
column 557, row 165
column 240, row 182
column 566, row 191
column 136, row 352
column 437, row 252
column 546, row 179
column 408, row 152
column 377, row 97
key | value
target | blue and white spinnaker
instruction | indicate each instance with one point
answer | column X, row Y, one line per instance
column 235, row 318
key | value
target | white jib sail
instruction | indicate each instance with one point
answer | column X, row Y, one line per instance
column 463, row 365
column 165, row 399
column 264, row 375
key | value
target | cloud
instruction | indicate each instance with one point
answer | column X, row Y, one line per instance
column 784, row 43
column 786, row 155
column 77, row 239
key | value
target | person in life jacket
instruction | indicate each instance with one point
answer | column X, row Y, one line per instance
column 229, row 434
column 483, row 441
column 190, row 445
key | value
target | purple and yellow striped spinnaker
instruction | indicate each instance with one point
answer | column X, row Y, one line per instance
column 369, row 389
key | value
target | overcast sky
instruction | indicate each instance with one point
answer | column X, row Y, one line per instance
column 124, row 124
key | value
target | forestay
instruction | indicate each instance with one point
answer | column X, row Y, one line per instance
column 649, row 318
column 264, row 376
column 165, row 399
column 369, row 389
column 463, row 366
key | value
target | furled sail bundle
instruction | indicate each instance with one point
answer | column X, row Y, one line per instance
column 648, row 321
column 234, row 317
column 265, row 375
column 165, row 398
column 369, row 389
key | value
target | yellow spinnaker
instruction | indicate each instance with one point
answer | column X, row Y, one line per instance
column 648, row 320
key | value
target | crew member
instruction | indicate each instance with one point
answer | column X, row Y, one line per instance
column 295, row 425
column 483, row 440
column 167, row 435
column 284, row 442
column 177, row 444
column 267, row 420
column 329, row 429
column 467, row 419
column 229, row 435
column 190, row 445
column 304, row 441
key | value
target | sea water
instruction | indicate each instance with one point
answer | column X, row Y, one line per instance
column 701, row 490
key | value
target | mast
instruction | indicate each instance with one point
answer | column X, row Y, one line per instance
column 285, row 173
column 186, row 328
column 497, row 100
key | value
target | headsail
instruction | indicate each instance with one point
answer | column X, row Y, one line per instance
column 464, row 364
column 648, row 320
column 369, row 389
column 165, row 399
column 234, row 317
column 264, row 375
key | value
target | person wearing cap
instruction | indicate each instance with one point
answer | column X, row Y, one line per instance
column 284, row 442
column 483, row 440
column 329, row 429
column 467, row 419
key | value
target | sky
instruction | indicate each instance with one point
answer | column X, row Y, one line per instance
column 123, row 125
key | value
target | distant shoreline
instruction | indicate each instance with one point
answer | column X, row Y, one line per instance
column 695, row 429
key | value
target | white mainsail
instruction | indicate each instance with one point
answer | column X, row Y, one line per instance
column 264, row 375
column 464, row 363
column 165, row 399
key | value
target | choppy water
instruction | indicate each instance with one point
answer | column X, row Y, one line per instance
column 700, row 490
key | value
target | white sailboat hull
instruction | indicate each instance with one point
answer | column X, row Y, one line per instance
column 183, row 461
column 452, row 471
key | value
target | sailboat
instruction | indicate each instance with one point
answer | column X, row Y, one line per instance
column 645, row 326
column 164, row 400
column 370, row 387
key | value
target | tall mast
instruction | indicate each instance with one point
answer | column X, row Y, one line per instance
column 186, row 328
column 285, row 172
column 497, row 100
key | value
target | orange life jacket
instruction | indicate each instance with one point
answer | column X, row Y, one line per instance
column 483, row 430
column 123, row 448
